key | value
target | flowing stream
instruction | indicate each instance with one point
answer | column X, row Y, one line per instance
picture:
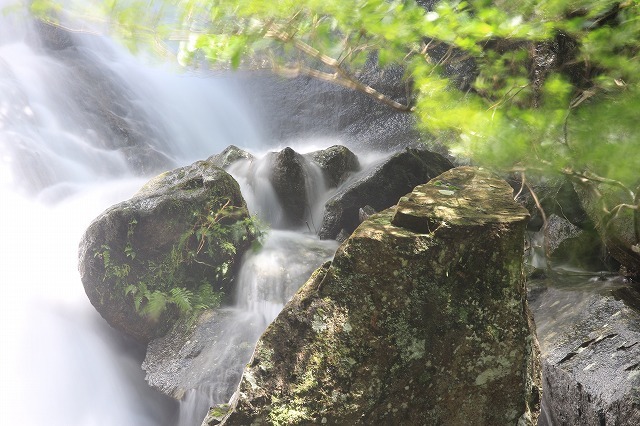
column 62, row 112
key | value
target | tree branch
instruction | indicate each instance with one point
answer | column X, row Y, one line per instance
column 340, row 77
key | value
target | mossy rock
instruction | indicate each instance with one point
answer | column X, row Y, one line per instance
column 421, row 318
column 133, row 244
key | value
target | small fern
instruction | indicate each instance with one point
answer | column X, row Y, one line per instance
column 214, row 235
column 156, row 304
column 182, row 298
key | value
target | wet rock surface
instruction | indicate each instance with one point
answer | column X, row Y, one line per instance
column 214, row 349
column 337, row 163
column 288, row 177
column 128, row 241
column 230, row 155
column 316, row 109
column 406, row 326
column 566, row 244
column 589, row 334
column 380, row 187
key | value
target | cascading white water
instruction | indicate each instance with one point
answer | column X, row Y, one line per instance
column 61, row 364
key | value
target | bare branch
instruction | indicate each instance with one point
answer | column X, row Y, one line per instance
column 340, row 77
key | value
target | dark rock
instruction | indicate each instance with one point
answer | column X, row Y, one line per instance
column 568, row 245
column 230, row 155
column 556, row 196
column 380, row 187
column 589, row 333
column 133, row 241
column 312, row 108
column 406, row 327
column 620, row 232
column 288, row 177
column 337, row 163
column 342, row 236
column 53, row 37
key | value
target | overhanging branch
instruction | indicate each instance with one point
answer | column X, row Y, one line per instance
column 340, row 77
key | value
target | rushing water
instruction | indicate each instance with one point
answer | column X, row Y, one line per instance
column 59, row 168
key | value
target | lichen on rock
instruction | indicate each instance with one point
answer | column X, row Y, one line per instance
column 421, row 318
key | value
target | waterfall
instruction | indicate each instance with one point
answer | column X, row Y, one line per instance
column 82, row 126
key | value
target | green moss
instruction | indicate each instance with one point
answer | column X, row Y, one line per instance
column 289, row 414
column 184, row 278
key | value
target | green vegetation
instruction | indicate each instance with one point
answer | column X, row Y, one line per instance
column 540, row 88
column 169, row 282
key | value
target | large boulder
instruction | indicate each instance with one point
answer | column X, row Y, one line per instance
column 556, row 196
column 336, row 162
column 421, row 318
column 380, row 187
column 185, row 228
column 589, row 333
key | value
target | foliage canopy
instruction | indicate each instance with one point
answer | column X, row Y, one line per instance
column 542, row 86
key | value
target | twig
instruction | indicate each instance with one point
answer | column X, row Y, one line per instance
column 524, row 180
column 545, row 225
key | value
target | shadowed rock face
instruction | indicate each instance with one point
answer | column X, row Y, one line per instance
column 620, row 234
column 288, row 178
column 410, row 324
column 380, row 187
column 132, row 238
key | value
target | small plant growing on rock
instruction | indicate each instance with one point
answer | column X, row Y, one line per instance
column 171, row 283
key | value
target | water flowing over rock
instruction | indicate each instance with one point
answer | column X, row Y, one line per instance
column 209, row 355
column 590, row 343
column 337, row 163
column 137, row 241
column 421, row 318
column 105, row 103
column 380, row 187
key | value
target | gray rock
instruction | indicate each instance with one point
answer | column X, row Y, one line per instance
column 138, row 241
column 407, row 327
column 620, row 231
column 208, row 355
column 365, row 212
column 214, row 349
column 589, row 333
column 380, row 187
column 230, row 155
column 557, row 197
column 569, row 245
column 337, row 163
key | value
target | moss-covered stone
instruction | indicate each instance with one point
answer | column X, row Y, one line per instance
column 410, row 324
column 132, row 246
